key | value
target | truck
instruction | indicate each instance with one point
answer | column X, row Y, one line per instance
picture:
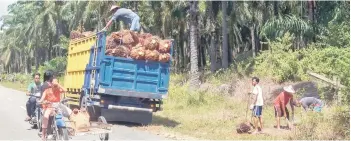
column 120, row 89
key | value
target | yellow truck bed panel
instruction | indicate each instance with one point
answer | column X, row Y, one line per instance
column 77, row 59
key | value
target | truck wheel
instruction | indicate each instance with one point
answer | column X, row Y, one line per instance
column 104, row 136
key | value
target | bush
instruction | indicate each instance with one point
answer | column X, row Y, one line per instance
column 283, row 64
column 58, row 65
column 332, row 124
column 280, row 63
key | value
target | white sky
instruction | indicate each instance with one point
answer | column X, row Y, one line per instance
column 3, row 6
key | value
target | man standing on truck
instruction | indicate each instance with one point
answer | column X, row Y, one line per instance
column 125, row 15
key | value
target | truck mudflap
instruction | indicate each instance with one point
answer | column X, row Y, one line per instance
column 129, row 108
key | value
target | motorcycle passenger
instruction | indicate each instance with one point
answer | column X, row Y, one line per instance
column 34, row 89
column 53, row 96
column 47, row 79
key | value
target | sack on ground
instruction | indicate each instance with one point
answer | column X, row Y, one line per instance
column 80, row 120
column 243, row 128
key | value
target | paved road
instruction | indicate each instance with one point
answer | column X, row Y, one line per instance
column 13, row 126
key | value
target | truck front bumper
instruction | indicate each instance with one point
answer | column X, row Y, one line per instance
column 129, row 108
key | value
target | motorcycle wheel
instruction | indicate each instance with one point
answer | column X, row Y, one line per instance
column 38, row 116
column 63, row 133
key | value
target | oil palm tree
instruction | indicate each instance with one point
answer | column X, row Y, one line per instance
column 194, row 74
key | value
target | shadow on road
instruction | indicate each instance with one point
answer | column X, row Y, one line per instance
column 156, row 121
column 166, row 122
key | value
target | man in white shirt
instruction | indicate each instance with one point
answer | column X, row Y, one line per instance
column 258, row 103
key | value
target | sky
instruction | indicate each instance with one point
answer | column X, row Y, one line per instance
column 3, row 7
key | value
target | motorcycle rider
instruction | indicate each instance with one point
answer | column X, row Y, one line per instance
column 53, row 95
column 34, row 89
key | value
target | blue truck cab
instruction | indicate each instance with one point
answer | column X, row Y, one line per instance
column 123, row 89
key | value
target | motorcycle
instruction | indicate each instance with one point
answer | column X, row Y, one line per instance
column 58, row 128
column 36, row 116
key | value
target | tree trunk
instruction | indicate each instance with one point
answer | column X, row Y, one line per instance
column 36, row 59
column 230, row 50
column 225, row 59
column 310, row 10
column 181, row 45
column 276, row 8
column 194, row 71
column 212, row 54
column 203, row 51
column 136, row 6
column 218, row 50
column 253, row 49
column 311, row 17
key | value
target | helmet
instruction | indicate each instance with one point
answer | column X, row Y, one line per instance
column 48, row 75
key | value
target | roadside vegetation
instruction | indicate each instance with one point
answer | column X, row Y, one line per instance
column 277, row 41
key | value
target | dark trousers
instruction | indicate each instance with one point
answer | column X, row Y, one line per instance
column 30, row 105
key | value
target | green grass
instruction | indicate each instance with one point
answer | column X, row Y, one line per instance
column 209, row 116
column 14, row 85
column 213, row 116
column 206, row 116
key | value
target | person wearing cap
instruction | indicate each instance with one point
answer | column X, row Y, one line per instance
column 280, row 103
column 125, row 15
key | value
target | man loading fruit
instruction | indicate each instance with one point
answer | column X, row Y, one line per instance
column 125, row 15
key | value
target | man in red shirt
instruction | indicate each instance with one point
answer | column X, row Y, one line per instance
column 280, row 103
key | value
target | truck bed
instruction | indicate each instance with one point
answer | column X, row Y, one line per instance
column 126, row 76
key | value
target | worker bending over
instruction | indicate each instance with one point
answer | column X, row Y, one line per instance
column 125, row 15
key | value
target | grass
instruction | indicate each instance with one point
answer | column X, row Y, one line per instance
column 207, row 116
column 14, row 85
column 212, row 116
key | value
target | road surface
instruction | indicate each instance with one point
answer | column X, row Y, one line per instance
column 13, row 126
